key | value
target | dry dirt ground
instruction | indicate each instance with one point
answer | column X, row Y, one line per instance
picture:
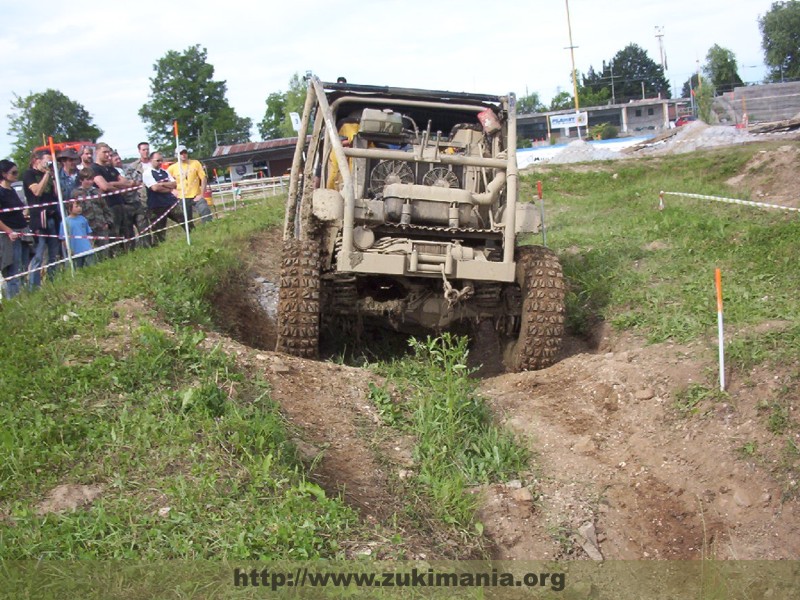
column 618, row 471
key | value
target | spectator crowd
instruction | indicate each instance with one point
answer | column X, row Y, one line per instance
column 108, row 208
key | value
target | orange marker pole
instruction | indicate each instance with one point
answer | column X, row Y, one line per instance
column 718, row 281
column 183, row 189
column 60, row 193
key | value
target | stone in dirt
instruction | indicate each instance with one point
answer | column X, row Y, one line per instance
column 590, row 545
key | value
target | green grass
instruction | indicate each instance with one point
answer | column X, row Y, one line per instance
column 457, row 446
column 653, row 271
column 192, row 454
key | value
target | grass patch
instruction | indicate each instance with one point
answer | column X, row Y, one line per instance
column 688, row 401
column 652, row 271
column 114, row 386
column 457, row 445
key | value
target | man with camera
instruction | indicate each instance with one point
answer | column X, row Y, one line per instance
column 40, row 192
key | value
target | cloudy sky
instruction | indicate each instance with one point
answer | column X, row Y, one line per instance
column 104, row 59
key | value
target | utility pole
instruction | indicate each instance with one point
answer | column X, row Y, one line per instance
column 574, row 75
column 613, row 95
column 660, row 36
column 662, row 53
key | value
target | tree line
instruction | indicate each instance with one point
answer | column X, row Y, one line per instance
column 183, row 88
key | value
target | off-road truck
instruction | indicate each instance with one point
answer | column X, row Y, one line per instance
column 403, row 209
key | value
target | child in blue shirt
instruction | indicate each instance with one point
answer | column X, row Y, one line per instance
column 79, row 232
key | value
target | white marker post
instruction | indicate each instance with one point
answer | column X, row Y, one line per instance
column 183, row 189
column 60, row 195
column 718, row 281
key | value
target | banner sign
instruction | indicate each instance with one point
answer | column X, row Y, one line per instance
column 579, row 119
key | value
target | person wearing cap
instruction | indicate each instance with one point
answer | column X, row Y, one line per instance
column 67, row 171
column 191, row 174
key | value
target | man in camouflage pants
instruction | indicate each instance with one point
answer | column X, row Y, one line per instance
column 134, row 173
column 135, row 211
column 95, row 210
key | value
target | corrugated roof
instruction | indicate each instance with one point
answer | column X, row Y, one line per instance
column 254, row 146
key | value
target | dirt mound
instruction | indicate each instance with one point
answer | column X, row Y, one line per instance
column 580, row 151
column 771, row 177
column 614, row 453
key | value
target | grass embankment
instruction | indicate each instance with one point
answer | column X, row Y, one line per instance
column 652, row 272
column 192, row 456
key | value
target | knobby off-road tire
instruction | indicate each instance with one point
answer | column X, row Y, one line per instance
column 541, row 331
column 298, row 299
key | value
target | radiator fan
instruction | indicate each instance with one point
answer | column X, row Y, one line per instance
column 387, row 172
column 440, row 177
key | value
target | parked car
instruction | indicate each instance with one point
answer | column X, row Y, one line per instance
column 684, row 120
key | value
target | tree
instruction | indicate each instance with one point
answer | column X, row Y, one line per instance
column 530, row 103
column 599, row 88
column 277, row 122
column 690, row 84
column 704, row 96
column 49, row 113
column 270, row 126
column 780, row 39
column 721, row 69
column 634, row 74
column 184, row 89
column 562, row 101
column 589, row 97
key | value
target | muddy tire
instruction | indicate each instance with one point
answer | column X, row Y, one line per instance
column 298, row 299
column 541, row 325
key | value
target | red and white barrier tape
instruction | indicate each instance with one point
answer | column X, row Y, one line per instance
column 92, row 197
column 112, row 244
column 101, row 237
column 727, row 200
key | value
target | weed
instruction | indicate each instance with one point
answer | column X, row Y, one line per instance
column 779, row 419
column 688, row 400
column 457, row 444
column 390, row 411
column 748, row 449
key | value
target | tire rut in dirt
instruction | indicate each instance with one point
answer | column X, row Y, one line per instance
column 541, row 332
column 298, row 299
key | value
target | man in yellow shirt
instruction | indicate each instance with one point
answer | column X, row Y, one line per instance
column 347, row 131
column 190, row 173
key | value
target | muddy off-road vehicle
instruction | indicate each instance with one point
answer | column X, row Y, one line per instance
column 403, row 210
